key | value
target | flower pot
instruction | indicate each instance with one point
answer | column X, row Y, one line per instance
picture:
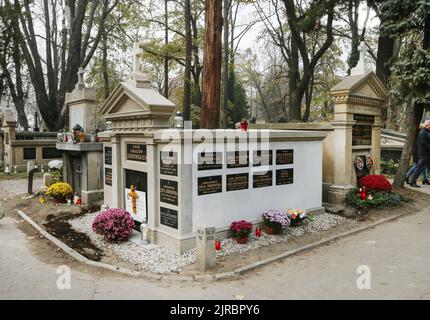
column 242, row 240
column 295, row 223
column 270, row 230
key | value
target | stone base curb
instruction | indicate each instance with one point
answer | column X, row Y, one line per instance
column 202, row 277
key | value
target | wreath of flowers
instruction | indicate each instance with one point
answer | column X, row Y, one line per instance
column 359, row 163
column 369, row 162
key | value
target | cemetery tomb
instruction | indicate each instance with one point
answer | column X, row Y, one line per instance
column 184, row 179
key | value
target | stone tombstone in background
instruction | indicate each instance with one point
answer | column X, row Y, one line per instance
column 47, row 179
column 83, row 161
column 30, row 165
column 358, row 100
column 81, row 103
column 205, row 246
column 9, row 125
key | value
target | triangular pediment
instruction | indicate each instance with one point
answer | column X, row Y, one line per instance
column 122, row 102
column 367, row 90
column 366, row 85
column 127, row 99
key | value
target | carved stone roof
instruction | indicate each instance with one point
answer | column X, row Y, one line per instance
column 364, row 89
column 132, row 100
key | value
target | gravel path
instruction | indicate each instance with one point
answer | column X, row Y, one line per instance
column 161, row 260
column 13, row 187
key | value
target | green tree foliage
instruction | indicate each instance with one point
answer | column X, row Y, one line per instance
column 238, row 104
column 409, row 20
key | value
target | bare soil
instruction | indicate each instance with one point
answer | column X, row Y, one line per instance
column 53, row 218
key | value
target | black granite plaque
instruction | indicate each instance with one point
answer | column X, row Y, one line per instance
column 29, row 153
column 51, row 153
column 364, row 118
column 169, row 163
column 237, row 181
column 136, row 152
column 262, row 180
column 209, row 161
column 108, row 155
column 284, row 156
column 361, row 135
column 169, row 217
column 237, row 159
column 262, row 158
column 169, row 191
column 208, row 185
column 284, row 176
column 108, row 176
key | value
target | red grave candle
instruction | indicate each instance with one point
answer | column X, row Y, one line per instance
column 217, row 245
column 258, row 232
column 363, row 195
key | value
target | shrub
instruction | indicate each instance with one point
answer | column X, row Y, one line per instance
column 241, row 229
column 60, row 191
column 376, row 182
column 114, row 224
column 389, row 167
column 276, row 220
column 379, row 200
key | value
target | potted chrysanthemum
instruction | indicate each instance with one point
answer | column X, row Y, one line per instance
column 241, row 230
column 275, row 221
column 297, row 217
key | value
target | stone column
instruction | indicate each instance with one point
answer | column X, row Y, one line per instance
column 376, row 146
column 153, row 185
column 342, row 161
column 206, row 254
column 117, row 183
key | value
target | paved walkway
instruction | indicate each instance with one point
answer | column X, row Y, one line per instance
column 397, row 253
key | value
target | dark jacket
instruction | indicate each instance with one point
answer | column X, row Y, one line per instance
column 423, row 144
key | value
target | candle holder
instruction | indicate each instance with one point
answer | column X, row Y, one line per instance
column 258, row 232
column 217, row 245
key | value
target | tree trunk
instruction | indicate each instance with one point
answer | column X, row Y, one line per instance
column 295, row 103
column 166, row 42
column 105, row 65
column 308, row 100
column 188, row 57
column 225, row 64
column 355, row 38
column 212, row 65
column 413, row 119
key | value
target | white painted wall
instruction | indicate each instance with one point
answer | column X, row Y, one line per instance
column 221, row 209
column 77, row 116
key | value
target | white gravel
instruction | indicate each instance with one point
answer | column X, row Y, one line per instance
column 161, row 260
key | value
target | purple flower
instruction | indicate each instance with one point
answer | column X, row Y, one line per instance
column 114, row 224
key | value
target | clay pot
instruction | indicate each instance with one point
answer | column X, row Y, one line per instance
column 242, row 240
column 269, row 230
column 295, row 223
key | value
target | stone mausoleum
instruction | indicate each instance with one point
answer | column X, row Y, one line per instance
column 82, row 161
column 18, row 149
column 353, row 136
column 181, row 179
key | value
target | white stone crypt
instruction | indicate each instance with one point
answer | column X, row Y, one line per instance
column 177, row 186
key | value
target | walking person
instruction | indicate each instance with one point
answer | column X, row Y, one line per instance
column 424, row 174
column 423, row 152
